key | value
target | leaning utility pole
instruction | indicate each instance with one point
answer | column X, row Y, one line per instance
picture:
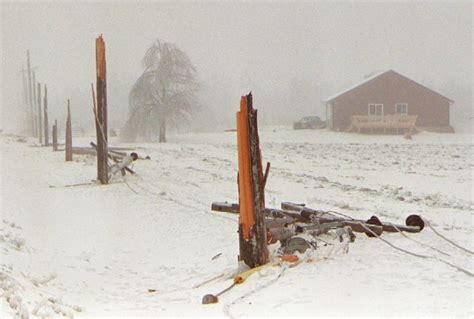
column 40, row 117
column 68, row 134
column 252, row 230
column 45, row 117
column 100, row 111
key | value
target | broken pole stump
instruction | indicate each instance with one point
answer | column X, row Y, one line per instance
column 252, row 230
column 40, row 117
column 68, row 134
column 100, row 112
column 55, row 135
column 45, row 117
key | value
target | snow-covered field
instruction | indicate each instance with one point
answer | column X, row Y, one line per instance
column 97, row 250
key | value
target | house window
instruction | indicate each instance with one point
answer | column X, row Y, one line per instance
column 375, row 109
column 401, row 108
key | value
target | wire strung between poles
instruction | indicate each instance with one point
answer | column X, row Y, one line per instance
column 409, row 238
column 446, row 239
column 153, row 191
column 418, row 242
column 467, row 272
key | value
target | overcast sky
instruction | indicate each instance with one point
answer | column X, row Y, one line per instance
column 236, row 47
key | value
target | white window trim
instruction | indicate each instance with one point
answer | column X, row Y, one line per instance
column 376, row 104
column 406, row 108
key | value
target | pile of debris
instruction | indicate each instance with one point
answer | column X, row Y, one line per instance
column 121, row 160
column 294, row 225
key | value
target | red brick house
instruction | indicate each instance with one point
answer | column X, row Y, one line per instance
column 390, row 102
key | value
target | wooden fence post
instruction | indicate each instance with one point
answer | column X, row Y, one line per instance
column 55, row 136
column 101, row 112
column 45, row 117
column 40, row 116
column 252, row 230
column 68, row 134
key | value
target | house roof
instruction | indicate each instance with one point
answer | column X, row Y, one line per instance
column 372, row 77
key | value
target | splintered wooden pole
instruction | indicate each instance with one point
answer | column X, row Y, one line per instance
column 55, row 136
column 45, row 117
column 68, row 134
column 252, row 230
column 100, row 112
column 40, row 117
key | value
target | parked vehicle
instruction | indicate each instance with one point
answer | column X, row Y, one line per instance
column 309, row 122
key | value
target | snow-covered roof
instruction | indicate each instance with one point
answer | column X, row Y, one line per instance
column 365, row 80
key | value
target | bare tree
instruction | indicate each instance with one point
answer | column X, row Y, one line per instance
column 163, row 95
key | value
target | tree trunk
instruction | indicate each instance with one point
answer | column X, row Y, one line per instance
column 162, row 136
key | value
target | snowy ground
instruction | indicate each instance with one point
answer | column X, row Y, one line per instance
column 96, row 250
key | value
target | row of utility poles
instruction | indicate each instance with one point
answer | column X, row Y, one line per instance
column 251, row 178
column 38, row 117
column 37, row 106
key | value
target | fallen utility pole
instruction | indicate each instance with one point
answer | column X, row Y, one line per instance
column 100, row 111
column 55, row 135
column 321, row 215
column 45, row 117
column 68, row 134
column 276, row 214
column 269, row 212
column 252, row 230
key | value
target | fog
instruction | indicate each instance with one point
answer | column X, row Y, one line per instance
column 290, row 55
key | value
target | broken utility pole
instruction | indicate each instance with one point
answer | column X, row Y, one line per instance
column 40, row 117
column 68, row 134
column 45, row 117
column 100, row 111
column 252, row 230
column 55, row 136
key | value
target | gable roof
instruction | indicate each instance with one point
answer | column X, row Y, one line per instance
column 372, row 77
